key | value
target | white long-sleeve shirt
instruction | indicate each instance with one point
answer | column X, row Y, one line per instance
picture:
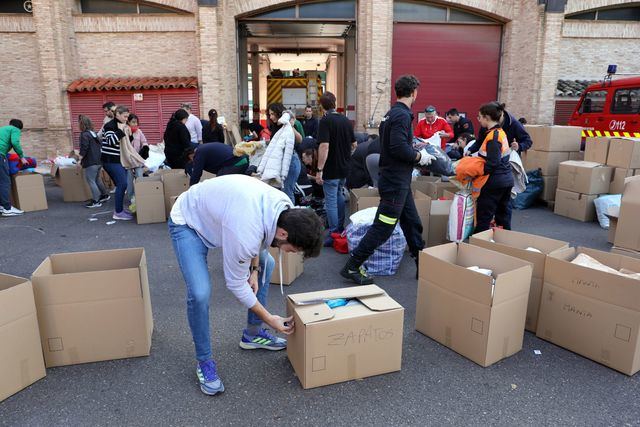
column 238, row 214
column 194, row 125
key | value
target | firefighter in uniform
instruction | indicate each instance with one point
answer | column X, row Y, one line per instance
column 397, row 160
column 460, row 124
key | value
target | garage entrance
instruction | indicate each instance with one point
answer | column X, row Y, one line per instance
column 454, row 53
column 293, row 54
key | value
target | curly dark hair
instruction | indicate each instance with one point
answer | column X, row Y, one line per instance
column 304, row 229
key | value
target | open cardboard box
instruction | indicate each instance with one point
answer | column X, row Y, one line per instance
column 175, row 183
column 515, row 244
column 292, row 266
column 345, row 343
column 21, row 362
column 363, row 198
column 28, row 192
column 477, row 316
column 93, row 306
column 149, row 200
column 591, row 312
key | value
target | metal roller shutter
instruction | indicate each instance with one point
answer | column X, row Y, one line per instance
column 563, row 112
column 457, row 65
column 154, row 110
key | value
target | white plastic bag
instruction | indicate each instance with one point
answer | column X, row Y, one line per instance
column 603, row 204
column 64, row 161
column 461, row 217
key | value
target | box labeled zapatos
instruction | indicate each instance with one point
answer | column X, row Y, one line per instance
column 358, row 340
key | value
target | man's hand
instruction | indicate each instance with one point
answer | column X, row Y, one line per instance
column 277, row 323
column 425, row 158
column 514, row 145
column 24, row 161
column 319, row 180
column 253, row 281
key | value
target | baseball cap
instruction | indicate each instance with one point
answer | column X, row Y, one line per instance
column 430, row 109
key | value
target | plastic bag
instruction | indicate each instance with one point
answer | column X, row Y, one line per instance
column 603, row 204
column 386, row 258
column 442, row 165
column 534, row 189
column 461, row 217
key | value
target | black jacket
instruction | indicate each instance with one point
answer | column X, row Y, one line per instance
column 497, row 167
column 514, row 130
column 464, row 125
column 212, row 135
column 310, row 127
column 397, row 156
column 211, row 158
column 176, row 142
column 358, row 172
column 90, row 149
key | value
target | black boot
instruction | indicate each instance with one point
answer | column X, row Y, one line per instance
column 356, row 274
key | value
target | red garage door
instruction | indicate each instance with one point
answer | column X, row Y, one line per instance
column 154, row 110
column 457, row 64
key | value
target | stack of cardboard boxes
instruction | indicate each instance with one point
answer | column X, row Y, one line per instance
column 622, row 154
column 77, row 308
column 579, row 184
column 552, row 145
column 625, row 229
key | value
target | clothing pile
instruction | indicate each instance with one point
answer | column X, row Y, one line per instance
column 15, row 165
column 442, row 164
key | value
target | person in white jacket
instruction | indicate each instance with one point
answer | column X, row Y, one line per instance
column 244, row 217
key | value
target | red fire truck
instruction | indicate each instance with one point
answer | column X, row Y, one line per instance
column 610, row 108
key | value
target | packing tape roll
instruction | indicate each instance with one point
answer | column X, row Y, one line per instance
column 351, row 366
column 25, row 378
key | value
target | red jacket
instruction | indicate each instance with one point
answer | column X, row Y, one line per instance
column 425, row 130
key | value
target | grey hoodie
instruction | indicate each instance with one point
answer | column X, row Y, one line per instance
column 238, row 214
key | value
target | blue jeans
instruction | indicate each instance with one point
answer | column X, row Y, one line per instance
column 334, row 203
column 5, row 183
column 191, row 253
column 292, row 177
column 119, row 175
column 131, row 175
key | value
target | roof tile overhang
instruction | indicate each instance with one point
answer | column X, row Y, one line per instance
column 132, row 83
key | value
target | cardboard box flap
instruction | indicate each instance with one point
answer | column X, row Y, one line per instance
column 518, row 240
column 93, row 261
column 16, row 298
column 512, row 284
column 581, row 164
column 311, row 307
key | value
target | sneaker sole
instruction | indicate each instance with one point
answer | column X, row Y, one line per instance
column 249, row 346
column 121, row 219
column 93, row 207
column 211, row 393
column 7, row 214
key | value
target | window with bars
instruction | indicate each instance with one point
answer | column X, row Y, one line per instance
column 608, row 14
column 16, row 6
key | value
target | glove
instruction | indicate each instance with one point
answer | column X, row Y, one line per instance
column 425, row 158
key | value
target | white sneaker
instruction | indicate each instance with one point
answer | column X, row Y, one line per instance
column 13, row 211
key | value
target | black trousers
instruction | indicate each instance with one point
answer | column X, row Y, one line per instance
column 493, row 202
column 395, row 205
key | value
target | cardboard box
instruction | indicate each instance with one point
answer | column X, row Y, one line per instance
column 596, row 150
column 20, row 353
column 149, row 200
column 625, row 252
column 546, row 161
column 584, row 177
column 617, row 180
column 575, row 205
column 464, row 310
column 93, row 306
column 438, row 222
column 624, row 153
column 612, row 214
column 448, row 195
column 74, row 186
column 576, row 155
column 346, row 343
column 363, row 198
column 628, row 230
column 433, row 186
column 292, row 267
column 555, row 138
column 515, row 244
column 175, row 183
column 28, row 192
column 590, row 312
column 207, row 175
column 549, row 189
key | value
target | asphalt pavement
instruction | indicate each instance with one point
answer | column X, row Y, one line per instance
column 436, row 386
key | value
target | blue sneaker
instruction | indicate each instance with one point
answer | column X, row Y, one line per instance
column 264, row 340
column 210, row 382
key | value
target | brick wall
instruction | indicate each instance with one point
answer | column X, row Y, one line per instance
column 20, row 88
column 136, row 54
